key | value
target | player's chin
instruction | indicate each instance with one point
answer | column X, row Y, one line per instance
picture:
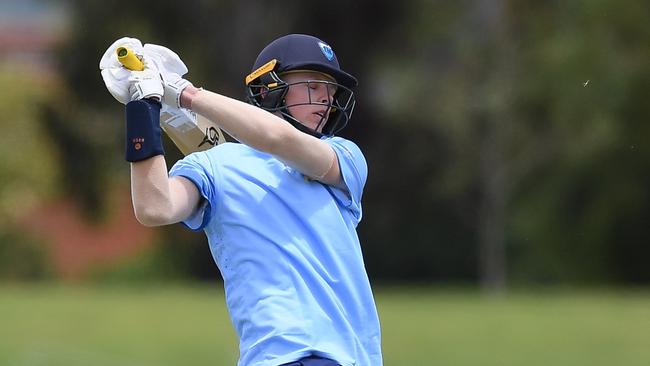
column 319, row 120
column 318, row 126
column 311, row 122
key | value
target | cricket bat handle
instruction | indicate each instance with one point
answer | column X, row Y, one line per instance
column 128, row 59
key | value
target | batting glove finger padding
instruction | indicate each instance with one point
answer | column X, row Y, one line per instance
column 117, row 83
column 145, row 84
column 115, row 76
column 166, row 60
column 126, row 85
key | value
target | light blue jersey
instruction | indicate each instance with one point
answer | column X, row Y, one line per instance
column 289, row 254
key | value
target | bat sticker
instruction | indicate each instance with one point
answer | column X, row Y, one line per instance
column 211, row 136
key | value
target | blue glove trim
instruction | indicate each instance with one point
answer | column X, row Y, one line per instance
column 143, row 132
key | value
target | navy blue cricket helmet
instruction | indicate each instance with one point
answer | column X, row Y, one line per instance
column 293, row 52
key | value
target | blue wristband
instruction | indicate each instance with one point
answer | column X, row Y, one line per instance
column 143, row 132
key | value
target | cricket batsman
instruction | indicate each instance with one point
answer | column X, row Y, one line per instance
column 279, row 208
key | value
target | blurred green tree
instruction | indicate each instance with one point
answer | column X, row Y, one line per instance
column 537, row 112
column 503, row 138
column 30, row 170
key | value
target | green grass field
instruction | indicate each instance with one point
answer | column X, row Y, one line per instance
column 185, row 325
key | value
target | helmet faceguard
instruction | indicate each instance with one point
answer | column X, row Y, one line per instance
column 267, row 90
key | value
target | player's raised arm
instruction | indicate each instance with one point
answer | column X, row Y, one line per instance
column 269, row 133
column 297, row 94
column 157, row 198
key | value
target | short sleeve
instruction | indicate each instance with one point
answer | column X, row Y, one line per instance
column 197, row 168
column 354, row 171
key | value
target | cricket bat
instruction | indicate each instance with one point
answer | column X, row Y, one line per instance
column 189, row 131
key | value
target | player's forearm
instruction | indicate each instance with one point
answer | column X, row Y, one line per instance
column 264, row 131
column 150, row 190
column 157, row 198
column 244, row 122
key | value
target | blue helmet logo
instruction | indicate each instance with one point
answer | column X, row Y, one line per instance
column 327, row 50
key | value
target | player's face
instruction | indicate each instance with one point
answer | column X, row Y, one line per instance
column 310, row 100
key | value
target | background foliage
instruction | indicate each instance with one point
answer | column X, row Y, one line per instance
column 506, row 140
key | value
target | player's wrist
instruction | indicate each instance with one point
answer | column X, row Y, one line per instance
column 143, row 132
column 187, row 96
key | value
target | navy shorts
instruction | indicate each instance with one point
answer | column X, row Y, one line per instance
column 312, row 361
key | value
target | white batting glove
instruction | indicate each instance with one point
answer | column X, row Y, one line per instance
column 145, row 84
column 174, row 86
column 126, row 85
column 171, row 69
column 115, row 76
